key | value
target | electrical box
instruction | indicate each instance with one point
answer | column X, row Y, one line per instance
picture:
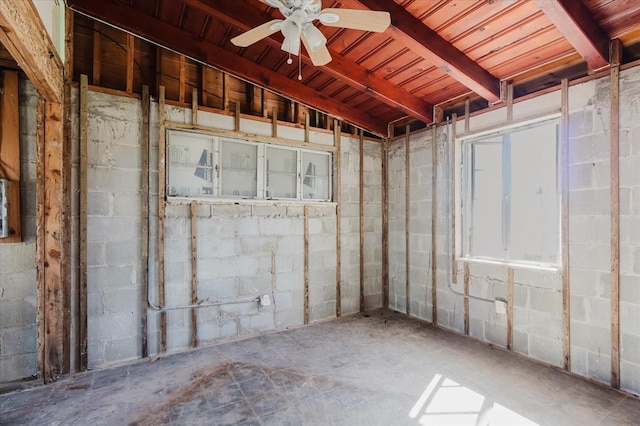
column 10, row 230
column 4, row 209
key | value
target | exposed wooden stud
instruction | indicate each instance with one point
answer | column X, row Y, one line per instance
column 510, row 300
column 296, row 112
column 467, row 115
column 194, row 273
column 466, row 279
column 263, row 99
column 56, row 339
column 130, row 61
column 225, row 91
column 306, row 127
column 97, row 53
column 564, row 231
column 237, row 117
column 162, row 172
column 510, row 102
column 194, row 106
column 274, row 122
column 10, row 152
column 361, row 200
column 182, row 79
column 385, row 224
column 249, row 96
column 438, row 114
column 452, row 183
column 338, row 199
column 83, row 219
column 615, row 213
column 434, row 219
column 145, row 199
column 306, row 264
column 40, row 237
column 407, row 222
column 204, row 79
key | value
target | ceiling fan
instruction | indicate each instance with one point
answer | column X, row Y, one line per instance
column 298, row 26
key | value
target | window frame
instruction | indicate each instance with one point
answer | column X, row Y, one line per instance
column 262, row 148
column 465, row 200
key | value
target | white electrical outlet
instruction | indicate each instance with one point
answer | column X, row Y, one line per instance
column 265, row 300
column 501, row 307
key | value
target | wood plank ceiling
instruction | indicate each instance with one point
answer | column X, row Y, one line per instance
column 435, row 53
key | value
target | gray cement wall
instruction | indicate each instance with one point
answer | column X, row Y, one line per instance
column 17, row 260
column 537, row 321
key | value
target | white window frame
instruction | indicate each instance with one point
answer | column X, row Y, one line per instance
column 217, row 142
column 465, row 201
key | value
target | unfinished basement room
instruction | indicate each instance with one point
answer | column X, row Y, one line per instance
column 320, row 212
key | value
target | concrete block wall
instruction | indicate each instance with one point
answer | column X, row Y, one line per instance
column 630, row 231
column 372, row 252
column 17, row 260
column 350, row 226
column 537, row 306
column 589, row 228
column 396, row 197
column 114, row 267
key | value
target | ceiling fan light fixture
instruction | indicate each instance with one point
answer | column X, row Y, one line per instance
column 328, row 18
column 314, row 36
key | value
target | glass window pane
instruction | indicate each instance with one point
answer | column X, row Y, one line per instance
column 190, row 165
column 315, row 179
column 486, row 203
column 282, row 173
column 238, row 169
column 535, row 225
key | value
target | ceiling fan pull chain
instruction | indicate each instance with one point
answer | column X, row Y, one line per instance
column 299, row 67
column 289, row 60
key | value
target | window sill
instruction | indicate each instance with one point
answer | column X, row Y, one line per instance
column 246, row 201
column 517, row 265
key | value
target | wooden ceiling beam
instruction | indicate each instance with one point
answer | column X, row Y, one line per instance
column 183, row 42
column 577, row 24
column 245, row 17
column 423, row 41
column 25, row 37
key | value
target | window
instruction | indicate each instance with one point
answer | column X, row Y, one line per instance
column 511, row 201
column 211, row 166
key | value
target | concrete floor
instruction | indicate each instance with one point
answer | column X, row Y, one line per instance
column 381, row 368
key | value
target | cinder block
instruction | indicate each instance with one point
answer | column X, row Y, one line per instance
column 630, row 289
column 591, row 337
column 547, row 350
column 272, row 211
column 118, row 350
column 125, row 252
column 17, row 367
column 630, row 377
column 99, row 203
column 630, row 348
column 18, row 341
column 599, row 366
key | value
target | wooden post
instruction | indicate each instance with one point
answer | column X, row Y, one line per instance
column 40, row 238
column 130, row 61
column 510, row 284
column 237, row 117
column 274, row 122
column 338, row 199
column 452, row 168
column 162, row 161
column 182, row 79
column 467, row 115
column 564, row 232
column 97, row 53
column 306, row 126
column 194, row 273
column 615, row 213
column 466, row 299
column 194, row 106
column 204, row 74
column 306, row 264
column 144, row 191
column 225, row 91
column 509, row 102
column 434, row 219
column 83, row 219
column 385, row 227
column 361, row 198
column 407, row 224
column 263, row 103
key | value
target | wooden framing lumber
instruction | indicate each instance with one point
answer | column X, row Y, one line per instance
column 564, row 228
column 162, row 176
column 452, row 183
column 10, row 152
column 407, row 221
column 434, row 219
column 83, row 220
column 145, row 200
column 510, row 301
column 385, row 223
column 25, row 37
column 337, row 136
column 194, row 106
column 130, row 62
column 306, row 264
column 97, row 53
column 465, row 281
column 40, row 238
column 361, row 209
column 194, row 272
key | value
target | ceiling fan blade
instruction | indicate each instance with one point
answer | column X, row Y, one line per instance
column 257, row 33
column 313, row 36
column 320, row 56
column 366, row 20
